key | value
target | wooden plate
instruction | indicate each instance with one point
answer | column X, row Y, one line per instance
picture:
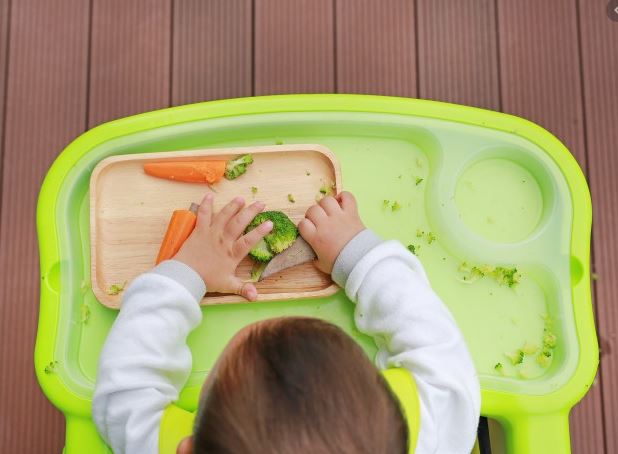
column 129, row 213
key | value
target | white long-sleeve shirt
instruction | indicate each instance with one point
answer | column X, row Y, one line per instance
column 145, row 361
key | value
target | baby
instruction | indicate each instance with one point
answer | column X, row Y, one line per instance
column 290, row 385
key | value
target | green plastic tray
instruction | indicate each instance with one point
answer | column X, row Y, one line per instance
column 495, row 189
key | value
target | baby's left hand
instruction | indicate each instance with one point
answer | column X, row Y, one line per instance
column 217, row 245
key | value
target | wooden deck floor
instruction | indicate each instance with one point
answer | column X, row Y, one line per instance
column 68, row 65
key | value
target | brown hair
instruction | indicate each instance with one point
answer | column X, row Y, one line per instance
column 298, row 385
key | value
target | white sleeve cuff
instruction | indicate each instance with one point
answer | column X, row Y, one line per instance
column 184, row 275
column 351, row 254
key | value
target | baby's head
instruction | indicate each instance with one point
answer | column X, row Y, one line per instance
column 296, row 385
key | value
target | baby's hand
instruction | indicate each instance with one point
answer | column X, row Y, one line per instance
column 329, row 225
column 217, row 245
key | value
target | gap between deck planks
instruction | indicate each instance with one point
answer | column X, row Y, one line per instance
column 599, row 49
column 44, row 109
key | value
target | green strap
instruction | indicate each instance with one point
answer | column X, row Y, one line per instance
column 402, row 384
column 177, row 423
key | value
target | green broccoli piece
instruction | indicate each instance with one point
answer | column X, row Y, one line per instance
column 51, row 367
column 237, row 166
column 85, row 313
column 516, row 357
column 115, row 289
column 385, row 203
column 544, row 358
column 328, row 189
column 431, row 237
column 530, row 349
column 419, row 180
column 254, row 190
column 291, row 198
column 257, row 270
column 283, row 234
column 508, row 276
column 395, row 206
column 419, row 233
column 499, row 367
column 413, row 248
column 261, row 252
column 549, row 340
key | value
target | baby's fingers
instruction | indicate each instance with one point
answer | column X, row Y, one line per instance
column 347, row 201
column 307, row 230
column 245, row 289
column 246, row 242
column 204, row 212
column 239, row 223
column 228, row 211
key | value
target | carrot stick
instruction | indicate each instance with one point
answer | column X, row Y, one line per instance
column 180, row 227
column 187, row 171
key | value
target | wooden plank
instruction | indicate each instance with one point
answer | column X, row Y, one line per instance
column 212, row 50
column 599, row 47
column 130, row 58
column 376, row 47
column 294, row 46
column 45, row 109
column 539, row 67
column 4, row 35
column 541, row 81
column 586, row 420
column 457, row 52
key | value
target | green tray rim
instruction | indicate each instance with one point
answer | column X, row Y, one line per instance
column 501, row 405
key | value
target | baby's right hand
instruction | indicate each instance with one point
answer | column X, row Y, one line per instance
column 329, row 225
column 218, row 244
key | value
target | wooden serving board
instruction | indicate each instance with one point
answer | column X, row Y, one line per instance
column 130, row 211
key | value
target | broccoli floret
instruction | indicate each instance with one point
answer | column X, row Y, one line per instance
column 419, row 180
column 508, row 276
column 291, row 198
column 254, row 190
column 544, row 358
column 549, row 340
column 237, row 166
column 413, row 248
column 257, row 270
column 328, row 189
column 385, row 203
column 516, row 357
column 395, row 206
column 499, row 368
column 51, row 367
column 530, row 349
column 115, row 289
column 261, row 252
column 281, row 237
column 430, row 237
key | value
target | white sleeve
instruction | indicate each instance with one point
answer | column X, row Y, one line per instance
column 413, row 329
column 145, row 361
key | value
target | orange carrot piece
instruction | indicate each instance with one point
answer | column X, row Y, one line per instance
column 187, row 171
column 180, row 227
